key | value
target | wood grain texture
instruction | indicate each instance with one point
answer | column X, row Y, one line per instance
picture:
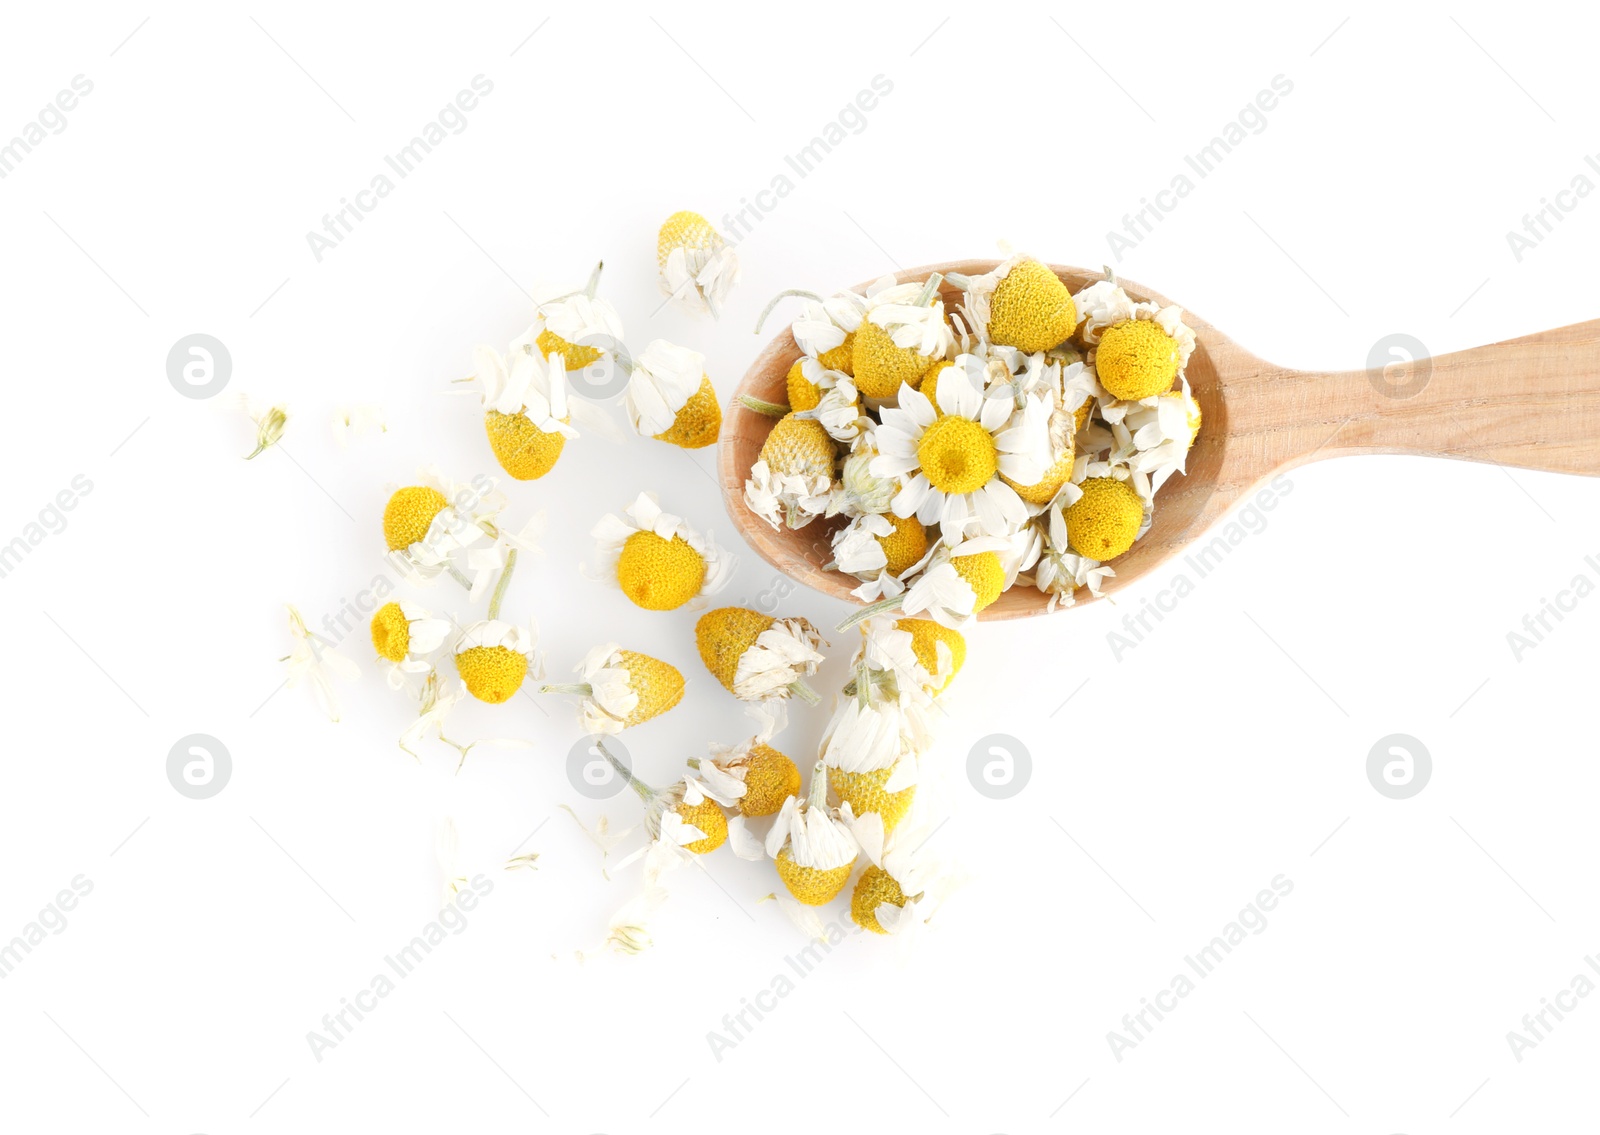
column 1532, row 402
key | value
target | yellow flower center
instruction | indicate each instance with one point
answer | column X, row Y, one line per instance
column 770, row 778
column 724, row 635
column 522, row 448
column 492, row 673
column 875, row 887
column 409, row 513
column 813, row 886
column 1103, row 523
column 958, row 455
column 657, row 574
column 391, row 632
column 925, row 638
column 708, row 818
column 1031, row 309
column 658, row 684
column 576, row 357
column 1136, row 359
column 803, row 393
column 905, row 545
column 984, row 573
column 698, row 423
column 863, row 791
column 842, row 357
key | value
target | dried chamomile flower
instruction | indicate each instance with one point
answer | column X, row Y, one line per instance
column 859, row 490
column 840, row 411
column 698, row 267
column 657, row 559
column 956, row 584
column 270, row 424
column 940, row 652
column 1160, row 432
column 807, row 381
column 826, row 329
column 405, row 635
column 493, row 658
column 439, row 697
column 812, row 845
column 904, row 885
column 681, row 820
column 621, row 688
column 882, row 779
column 751, row 776
column 881, row 550
column 901, row 336
column 527, row 414
column 1021, row 303
column 578, row 326
column 670, row 397
column 793, row 475
column 426, row 524
column 1137, row 349
column 756, row 656
column 1106, row 518
column 949, row 459
column 314, row 660
column 1060, row 571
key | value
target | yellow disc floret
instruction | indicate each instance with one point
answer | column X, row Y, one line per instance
column 984, row 573
column 1031, row 309
column 903, row 547
column 814, row 886
column 657, row 574
column 929, row 383
column 875, row 887
column 770, row 778
column 799, row 447
column 574, row 356
column 658, row 684
column 1044, row 490
column 880, row 366
column 842, row 357
column 926, row 635
column 1136, row 359
column 724, row 635
column 864, row 792
column 699, row 422
column 391, row 632
column 684, row 229
column 958, row 455
column 522, row 448
column 708, row 818
column 803, row 393
column 492, row 673
column 1104, row 522
column 409, row 513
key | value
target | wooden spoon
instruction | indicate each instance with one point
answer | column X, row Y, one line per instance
column 1532, row 402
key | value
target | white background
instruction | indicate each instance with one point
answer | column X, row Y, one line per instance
column 1228, row 748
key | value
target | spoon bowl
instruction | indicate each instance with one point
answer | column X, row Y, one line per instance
column 1532, row 402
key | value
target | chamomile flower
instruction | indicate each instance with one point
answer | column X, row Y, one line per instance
column 405, row 635
column 698, row 268
column 527, row 414
column 1105, row 519
column 425, row 525
column 1160, row 432
column 1137, row 349
column 439, row 697
column 840, row 411
column 807, row 381
column 1060, row 571
column 658, row 561
column 494, row 657
column 621, row 688
column 793, row 475
column 670, row 397
column 756, row 656
column 1021, row 303
column 681, row 820
column 826, row 329
column 905, row 884
column 881, row 551
column 939, row 652
column 901, row 336
column 751, row 776
column 270, row 422
column 315, row 661
column 859, row 490
column 811, row 844
column 578, row 326
column 960, row 582
column 950, row 457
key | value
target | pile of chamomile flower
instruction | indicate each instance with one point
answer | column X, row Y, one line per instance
column 849, row 823
column 1022, row 438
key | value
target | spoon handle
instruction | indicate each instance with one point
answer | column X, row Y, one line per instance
column 1532, row 402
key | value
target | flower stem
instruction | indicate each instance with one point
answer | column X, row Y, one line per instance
column 959, row 279
column 646, row 793
column 582, row 689
column 817, row 796
column 871, row 609
column 500, row 588
column 804, row 692
column 763, row 407
column 929, row 290
column 773, row 302
column 455, row 574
